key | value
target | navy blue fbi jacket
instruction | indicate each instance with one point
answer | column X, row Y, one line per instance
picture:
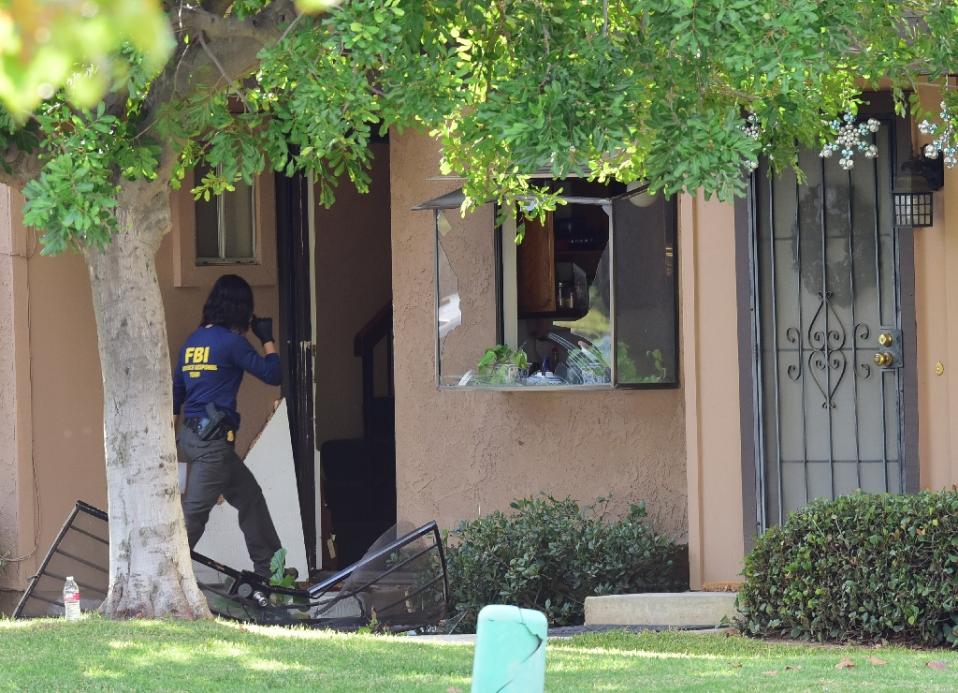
column 210, row 369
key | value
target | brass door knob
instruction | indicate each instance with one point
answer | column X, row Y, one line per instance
column 885, row 339
column 883, row 359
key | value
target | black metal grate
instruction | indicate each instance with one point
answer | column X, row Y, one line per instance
column 826, row 284
column 914, row 209
column 401, row 582
column 81, row 549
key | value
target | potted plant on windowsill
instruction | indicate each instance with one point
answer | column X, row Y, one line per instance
column 502, row 365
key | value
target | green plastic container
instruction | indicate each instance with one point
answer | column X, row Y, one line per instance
column 510, row 650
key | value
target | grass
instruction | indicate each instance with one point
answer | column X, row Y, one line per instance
column 101, row 655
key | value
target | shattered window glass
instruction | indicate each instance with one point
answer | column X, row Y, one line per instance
column 466, row 299
column 587, row 299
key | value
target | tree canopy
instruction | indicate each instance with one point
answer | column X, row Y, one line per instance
column 630, row 89
column 48, row 44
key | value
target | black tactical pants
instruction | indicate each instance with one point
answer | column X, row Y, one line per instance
column 214, row 470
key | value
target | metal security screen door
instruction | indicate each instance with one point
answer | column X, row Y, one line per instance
column 828, row 297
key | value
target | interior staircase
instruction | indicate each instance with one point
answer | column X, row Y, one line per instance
column 360, row 473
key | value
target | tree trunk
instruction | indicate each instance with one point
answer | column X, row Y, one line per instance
column 151, row 574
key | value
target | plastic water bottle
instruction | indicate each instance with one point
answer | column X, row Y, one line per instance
column 71, row 599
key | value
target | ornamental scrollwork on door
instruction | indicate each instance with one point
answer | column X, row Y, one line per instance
column 826, row 358
column 863, row 334
column 825, row 343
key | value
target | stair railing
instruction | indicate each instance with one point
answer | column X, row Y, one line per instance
column 377, row 329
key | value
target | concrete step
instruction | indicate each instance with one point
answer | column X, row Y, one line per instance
column 674, row 609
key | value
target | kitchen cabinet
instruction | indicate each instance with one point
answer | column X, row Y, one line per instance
column 536, row 268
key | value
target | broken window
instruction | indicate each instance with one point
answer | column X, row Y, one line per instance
column 466, row 297
column 588, row 299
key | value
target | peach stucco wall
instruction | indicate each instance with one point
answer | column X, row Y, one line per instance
column 459, row 454
column 936, row 307
column 710, row 360
column 51, row 401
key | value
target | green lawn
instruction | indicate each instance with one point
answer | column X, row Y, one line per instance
column 100, row 655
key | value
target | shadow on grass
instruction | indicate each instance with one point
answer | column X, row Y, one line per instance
column 211, row 656
column 154, row 655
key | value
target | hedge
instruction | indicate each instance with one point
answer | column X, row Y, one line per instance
column 550, row 555
column 866, row 568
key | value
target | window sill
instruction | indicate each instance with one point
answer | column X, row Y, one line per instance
column 561, row 388
column 227, row 263
column 527, row 388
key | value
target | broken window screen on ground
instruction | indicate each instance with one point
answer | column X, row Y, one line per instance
column 587, row 300
column 400, row 582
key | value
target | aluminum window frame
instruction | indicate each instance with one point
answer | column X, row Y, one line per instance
column 221, row 233
column 454, row 200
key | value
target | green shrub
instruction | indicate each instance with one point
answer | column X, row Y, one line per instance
column 862, row 567
column 550, row 555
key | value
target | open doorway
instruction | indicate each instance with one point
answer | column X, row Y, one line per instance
column 336, row 315
column 353, row 402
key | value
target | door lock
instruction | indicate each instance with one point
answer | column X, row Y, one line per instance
column 890, row 355
column 884, row 359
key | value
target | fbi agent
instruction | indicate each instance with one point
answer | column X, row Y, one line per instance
column 206, row 380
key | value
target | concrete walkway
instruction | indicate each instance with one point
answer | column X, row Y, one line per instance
column 563, row 632
column 688, row 610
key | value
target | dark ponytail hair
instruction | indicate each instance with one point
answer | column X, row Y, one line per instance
column 230, row 304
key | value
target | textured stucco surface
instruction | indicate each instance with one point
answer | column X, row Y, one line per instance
column 713, row 427
column 65, row 393
column 461, row 454
column 936, row 317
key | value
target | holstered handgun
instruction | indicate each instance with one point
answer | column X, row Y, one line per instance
column 212, row 424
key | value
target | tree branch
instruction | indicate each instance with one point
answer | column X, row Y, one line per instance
column 289, row 28
column 230, row 53
column 261, row 28
column 219, row 66
column 230, row 47
column 24, row 167
column 217, row 6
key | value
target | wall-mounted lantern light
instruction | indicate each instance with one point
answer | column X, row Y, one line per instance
column 914, row 209
column 914, row 189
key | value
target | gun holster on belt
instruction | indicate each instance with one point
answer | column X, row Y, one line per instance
column 211, row 425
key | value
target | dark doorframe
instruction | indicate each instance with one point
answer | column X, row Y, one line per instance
column 296, row 347
column 881, row 105
column 747, row 364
